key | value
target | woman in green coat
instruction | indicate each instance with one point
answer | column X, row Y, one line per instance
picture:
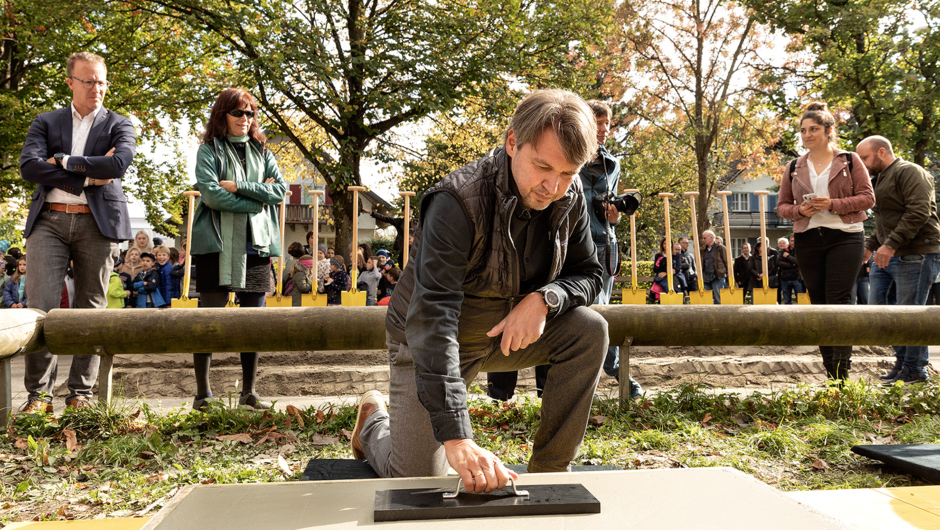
column 235, row 228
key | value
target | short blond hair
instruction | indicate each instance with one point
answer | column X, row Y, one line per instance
column 160, row 248
column 88, row 57
column 563, row 112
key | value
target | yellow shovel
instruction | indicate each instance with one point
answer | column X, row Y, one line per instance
column 404, row 255
column 185, row 301
column 765, row 295
column 354, row 297
column 314, row 298
column 672, row 297
column 701, row 296
column 729, row 296
column 634, row 295
column 278, row 300
column 231, row 300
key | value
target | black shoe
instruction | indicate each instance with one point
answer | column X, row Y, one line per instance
column 907, row 377
column 893, row 374
column 635, row 389
column 254, row 402
column 202, row 403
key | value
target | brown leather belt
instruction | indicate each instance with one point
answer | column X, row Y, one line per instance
column 67, row 208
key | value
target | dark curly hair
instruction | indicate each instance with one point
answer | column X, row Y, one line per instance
column 232, row 98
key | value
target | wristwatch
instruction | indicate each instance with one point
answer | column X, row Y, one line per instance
column 551, row 298
column 58, row 159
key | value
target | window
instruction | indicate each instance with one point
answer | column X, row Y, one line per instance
column 740, row 202
column 736, row 244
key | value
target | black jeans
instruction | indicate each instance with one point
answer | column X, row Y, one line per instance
column 829, row 261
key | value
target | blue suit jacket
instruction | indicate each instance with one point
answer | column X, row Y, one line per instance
column 51, row 133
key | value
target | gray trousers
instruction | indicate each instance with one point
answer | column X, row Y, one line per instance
column 400, row 443
column 56, row 238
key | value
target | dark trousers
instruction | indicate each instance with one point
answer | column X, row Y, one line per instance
column 829, row 261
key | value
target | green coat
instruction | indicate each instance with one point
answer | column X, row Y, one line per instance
column 258, row 200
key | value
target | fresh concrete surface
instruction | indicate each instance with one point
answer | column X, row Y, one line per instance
column 703, row 498
column 877, row 509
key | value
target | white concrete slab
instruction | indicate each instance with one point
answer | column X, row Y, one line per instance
column 869, row 509
column 704, row 498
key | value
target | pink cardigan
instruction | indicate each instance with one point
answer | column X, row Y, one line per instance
column 847, row 205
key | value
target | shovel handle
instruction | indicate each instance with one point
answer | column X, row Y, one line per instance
column 315, row 204
column 668, row 244
column 692, row 195
column 633, row 272
column 353, row 262
column 763, row 236
column 191, row 195
column 724, row 208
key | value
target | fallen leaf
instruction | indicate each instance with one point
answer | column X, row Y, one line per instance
column 146, row 455
column 159, row 477
column 287, row 424
column 820, row 464
column 208, row 481
column 320, row 416
column 207, row 450
column 346, row 434
column 323, row 439
column 71, row 440
column 286, row 449
column 61, row 511
column 598, row 420
column 264, row 431
column 21, row 443
column 292, row 410
column 282, row 465
column 241, row 437
column 707, row 418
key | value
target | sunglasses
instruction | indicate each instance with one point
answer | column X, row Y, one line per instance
column 238, row 113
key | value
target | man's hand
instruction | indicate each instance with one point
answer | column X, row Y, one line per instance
column 523, row 325
column 229, row 186
column 480, row 470
column 613, row 214
column 883, row 256
column 867, row 255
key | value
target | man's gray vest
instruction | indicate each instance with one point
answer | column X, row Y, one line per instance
column 492, row 283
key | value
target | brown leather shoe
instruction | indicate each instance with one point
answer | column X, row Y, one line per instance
column 370, row 402
column 77, row 403
column 36, row 406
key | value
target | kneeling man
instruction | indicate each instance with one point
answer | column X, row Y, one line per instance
column 503, row 269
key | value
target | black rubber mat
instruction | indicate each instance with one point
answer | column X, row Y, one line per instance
column 921, row 460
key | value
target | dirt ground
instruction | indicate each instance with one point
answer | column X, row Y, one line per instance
column 315, row 373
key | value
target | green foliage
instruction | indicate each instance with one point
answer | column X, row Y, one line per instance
column 163, row 75
column 879, row 61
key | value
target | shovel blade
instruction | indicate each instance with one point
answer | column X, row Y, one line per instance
column 765, row 296
column 631, row 297
column 273, row 301
column 670, row 298
column 701, row 297
column 729, row 298
column 803, row 299
column 313, row 300
column 357, row 298
column 184, row 303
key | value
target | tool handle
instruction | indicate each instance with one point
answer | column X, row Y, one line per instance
column 453, row 494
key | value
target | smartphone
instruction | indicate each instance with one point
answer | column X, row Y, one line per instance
column 809, row 196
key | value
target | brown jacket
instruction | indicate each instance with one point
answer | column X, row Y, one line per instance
column 851, row 193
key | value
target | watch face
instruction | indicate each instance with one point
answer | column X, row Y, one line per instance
column 551, row 298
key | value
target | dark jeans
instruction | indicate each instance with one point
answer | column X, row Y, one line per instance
column 861, row 291
column 789, row 289
column 829, row 261
column 58, row 237
column 912, row 277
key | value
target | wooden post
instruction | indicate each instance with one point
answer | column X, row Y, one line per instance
column 105, row 375
column 406, row 227
column 6, row 391
column 625, row 368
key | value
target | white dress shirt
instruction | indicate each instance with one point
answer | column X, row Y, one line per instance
column 81, row 128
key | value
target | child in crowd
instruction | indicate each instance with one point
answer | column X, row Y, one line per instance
column 147, row 283
column 169, row 285
column 301, row 274
column 391, row 279
column 369, row 279
column 14, row 292
column 117, row 294
column 336, row 282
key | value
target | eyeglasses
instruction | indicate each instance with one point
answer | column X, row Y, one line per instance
column 91, row 83
column 238, row 113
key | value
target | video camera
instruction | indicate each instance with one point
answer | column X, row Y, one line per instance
column 627, row 204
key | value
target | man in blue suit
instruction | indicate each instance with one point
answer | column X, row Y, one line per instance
column 77, row 156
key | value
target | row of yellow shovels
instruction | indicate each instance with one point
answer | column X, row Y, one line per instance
column 353, row 297
column 729, row 296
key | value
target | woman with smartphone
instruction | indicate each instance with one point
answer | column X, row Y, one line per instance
column 826, row 192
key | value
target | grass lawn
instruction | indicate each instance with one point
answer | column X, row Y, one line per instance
column 128, row 460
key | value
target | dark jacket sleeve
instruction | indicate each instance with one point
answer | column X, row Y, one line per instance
column 33, row 165
column 581, row 275
column 440, row 268
column 124, row 142
column 917, row 192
